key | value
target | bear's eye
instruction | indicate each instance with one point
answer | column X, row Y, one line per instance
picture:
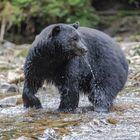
column 75, row 38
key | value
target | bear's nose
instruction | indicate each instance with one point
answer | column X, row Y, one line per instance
column 83, row 48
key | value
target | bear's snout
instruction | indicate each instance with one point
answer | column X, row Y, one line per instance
column 80, row 49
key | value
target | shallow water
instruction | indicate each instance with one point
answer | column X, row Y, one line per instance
column 86, row 61
column 47, row 123
column 121, row 123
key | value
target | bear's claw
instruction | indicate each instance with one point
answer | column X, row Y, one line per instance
column 32, row 101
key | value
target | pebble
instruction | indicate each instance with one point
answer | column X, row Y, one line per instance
column 22, row 138
column 6, row 88
column 12, row 88
column 12, row 75
column 8, row 101
column 8, row 44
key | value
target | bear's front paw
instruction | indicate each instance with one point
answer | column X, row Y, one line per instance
column 31, row 101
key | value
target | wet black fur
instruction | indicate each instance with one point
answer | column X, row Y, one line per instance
column 52, row 58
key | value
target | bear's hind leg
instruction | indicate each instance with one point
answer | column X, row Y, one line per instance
column 102, row 98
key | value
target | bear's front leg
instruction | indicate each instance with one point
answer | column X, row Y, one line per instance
column 69, row 97
column 30, row 89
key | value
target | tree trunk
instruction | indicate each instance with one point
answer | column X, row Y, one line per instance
column 2, row 31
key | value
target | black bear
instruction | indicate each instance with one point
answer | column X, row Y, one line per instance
column 75, row 59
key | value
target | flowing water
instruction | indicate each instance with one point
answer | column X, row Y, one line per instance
column 121, row 123
column 86, row 61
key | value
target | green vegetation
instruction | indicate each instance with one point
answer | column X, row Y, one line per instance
column 51, row 11
column 34, row 13
column 22, row 18
column 132, row 1
column 23, row 53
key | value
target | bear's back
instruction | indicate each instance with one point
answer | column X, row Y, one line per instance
column 104, row 53
column 98, row 37
column 98, row 41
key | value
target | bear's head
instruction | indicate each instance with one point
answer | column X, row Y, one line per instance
column 65, row 40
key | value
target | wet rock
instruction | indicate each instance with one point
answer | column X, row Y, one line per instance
column 8, row 44
column 96, row 121
column 15, row 77
column 4, row 87
column 113, row 120
column 49, row 134
column 22, row 138
column 2, row 78
column 8, row 101
column 12, row 75
column 12, row 88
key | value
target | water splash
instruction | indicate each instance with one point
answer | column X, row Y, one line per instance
column 93, row 76
column 86, row 61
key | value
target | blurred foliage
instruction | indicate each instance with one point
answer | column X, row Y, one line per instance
column 9, row 12
column 23, row 53
column 28, row 17
column 48, row 11
column 131, row 1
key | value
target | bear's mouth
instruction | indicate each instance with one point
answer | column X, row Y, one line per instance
column 80, row 51
column 75, row 52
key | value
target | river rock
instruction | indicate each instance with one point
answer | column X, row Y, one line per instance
column 4, row 87
column 12, row 88
column 8, row 101
column 8, row 44
column 23, row 138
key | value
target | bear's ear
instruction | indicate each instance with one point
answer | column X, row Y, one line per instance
column 76, row 25
column 55, row 30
